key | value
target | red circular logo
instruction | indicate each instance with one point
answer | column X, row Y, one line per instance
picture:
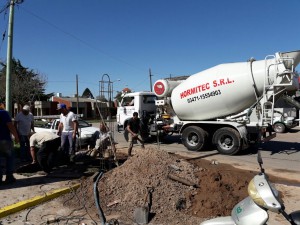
column 159, row 88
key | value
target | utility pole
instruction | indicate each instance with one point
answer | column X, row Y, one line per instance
column 8, row 99
column 150, row 75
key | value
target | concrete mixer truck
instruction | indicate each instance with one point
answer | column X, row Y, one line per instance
column 230, row 105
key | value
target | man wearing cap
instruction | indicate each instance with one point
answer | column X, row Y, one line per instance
column 24, row 123
column 6, row 144
column 67, row 129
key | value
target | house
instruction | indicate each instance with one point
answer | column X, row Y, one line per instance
column 88, row 107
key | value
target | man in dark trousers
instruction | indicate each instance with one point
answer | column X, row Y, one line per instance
column 48, row 144
column 134, row 128
column 6, row 144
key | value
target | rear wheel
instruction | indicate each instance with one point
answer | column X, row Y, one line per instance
column 227, row 140
column 194, row 138
column 279, row 127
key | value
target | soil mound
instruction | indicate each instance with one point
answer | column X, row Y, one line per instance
column 176, row 190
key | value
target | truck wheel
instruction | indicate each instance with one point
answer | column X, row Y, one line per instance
column 279, row 127
column 194, row 138
column 227, row 140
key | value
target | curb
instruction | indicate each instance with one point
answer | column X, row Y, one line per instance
column 16, row 207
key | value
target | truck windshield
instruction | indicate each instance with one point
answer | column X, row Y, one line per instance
column 149, row 99
column 128, row 101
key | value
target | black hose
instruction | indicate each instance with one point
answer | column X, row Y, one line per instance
column 97, row 201
column 252, row 106
column 254, row 84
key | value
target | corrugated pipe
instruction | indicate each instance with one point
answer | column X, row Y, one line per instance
column 97, row 201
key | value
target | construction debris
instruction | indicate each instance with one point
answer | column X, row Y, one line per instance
column 182, row 180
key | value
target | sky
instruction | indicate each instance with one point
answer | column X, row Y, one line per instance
column 125, row 39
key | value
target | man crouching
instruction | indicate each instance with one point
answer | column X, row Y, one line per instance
column 48, row 144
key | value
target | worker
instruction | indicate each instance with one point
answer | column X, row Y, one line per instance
column 24, row 123
column 105, row 139
column 48, row 144
column 7, row 145
column 67, row 129
column 134, row 128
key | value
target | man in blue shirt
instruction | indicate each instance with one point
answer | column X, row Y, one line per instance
column 6, row 144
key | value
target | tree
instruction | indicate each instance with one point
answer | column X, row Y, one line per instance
column 87, row 94
column 120, row 94
column 26, row 85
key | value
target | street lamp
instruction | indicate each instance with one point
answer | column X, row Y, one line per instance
column 112, row 85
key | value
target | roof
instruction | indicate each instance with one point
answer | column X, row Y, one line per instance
column 140, row 93
column 74, row 99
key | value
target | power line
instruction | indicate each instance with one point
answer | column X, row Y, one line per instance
column 82, row 41
column 4, row 10
column 86, row 44
column 5, row 7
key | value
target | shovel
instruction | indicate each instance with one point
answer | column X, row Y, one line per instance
column 141, row 214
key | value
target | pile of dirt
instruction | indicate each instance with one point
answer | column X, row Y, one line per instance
column 184, row 191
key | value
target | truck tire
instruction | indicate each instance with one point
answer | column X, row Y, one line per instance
column 279, row 128
column 227, row 140
column 194, row 138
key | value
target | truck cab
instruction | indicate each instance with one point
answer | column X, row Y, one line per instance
column 141, row 102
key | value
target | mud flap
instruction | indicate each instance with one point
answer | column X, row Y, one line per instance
column 268, row 138
column 268, row 130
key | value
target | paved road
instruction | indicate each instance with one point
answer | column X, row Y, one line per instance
column 281, row 155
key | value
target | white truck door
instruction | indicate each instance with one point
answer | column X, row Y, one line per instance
column 127, row 108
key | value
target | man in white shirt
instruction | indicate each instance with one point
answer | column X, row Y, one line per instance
column 24, row 123
column 67, row 129
column 48, row 144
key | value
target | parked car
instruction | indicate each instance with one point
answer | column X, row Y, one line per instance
column 87, row 133
column 282, row 123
